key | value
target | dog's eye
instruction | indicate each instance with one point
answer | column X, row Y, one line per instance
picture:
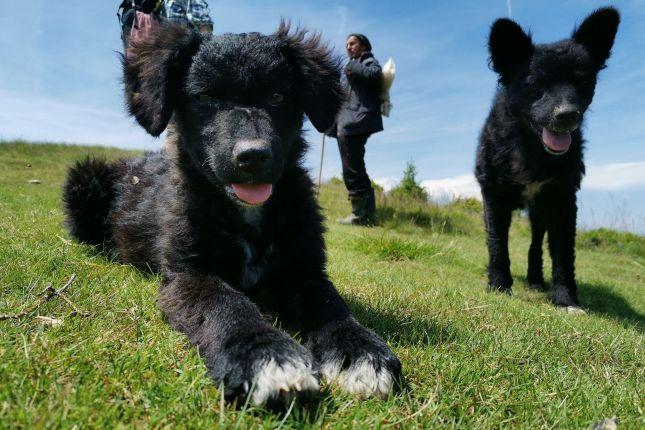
column 204, row 98
column 582, row 79
column 276, row 99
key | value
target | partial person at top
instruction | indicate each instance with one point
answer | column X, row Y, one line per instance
column 192, row 13
column 358, row 119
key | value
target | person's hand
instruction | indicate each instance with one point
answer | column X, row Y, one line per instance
column 206, row 29
column 349, row 67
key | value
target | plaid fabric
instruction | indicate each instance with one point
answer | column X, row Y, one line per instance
column 193, row 12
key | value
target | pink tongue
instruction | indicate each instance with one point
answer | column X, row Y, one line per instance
column 558, row 142
column 253, row 194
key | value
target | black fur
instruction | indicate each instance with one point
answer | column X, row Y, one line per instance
column 176, row 213
column 542, row 87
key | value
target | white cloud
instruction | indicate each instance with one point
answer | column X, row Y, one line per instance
column 441, row 189
column 615, row 176
column 449, row 188
column 387, row 183
column 607, row 177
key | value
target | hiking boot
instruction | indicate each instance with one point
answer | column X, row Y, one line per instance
column 352, row 220
column 363, row 210
column 370, row 207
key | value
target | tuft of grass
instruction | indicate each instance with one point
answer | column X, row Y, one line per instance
column 471, row 359
column 394, row 249
column 396, row 212
column 469, row 205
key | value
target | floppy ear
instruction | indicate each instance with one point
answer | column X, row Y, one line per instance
column 597, row 33
column 320, row 71
column 510, row 48
column 154, row 70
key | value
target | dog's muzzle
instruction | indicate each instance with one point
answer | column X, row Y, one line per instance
column 253, row 156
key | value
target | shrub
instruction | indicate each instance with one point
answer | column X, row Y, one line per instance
column 468, row 203
column 603, row 238
column 409, row 187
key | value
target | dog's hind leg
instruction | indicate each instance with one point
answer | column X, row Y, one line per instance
column 241, row 350
column 562, row 233
column 535, row 276
column 497, row 214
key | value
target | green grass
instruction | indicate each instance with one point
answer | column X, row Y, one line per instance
column 610, row 240
column 471, row 359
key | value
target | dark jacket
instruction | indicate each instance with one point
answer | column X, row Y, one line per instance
column 361, row 112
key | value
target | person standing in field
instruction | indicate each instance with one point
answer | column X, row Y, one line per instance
column 358, row 119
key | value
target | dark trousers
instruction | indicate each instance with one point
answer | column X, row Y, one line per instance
column 352, row 155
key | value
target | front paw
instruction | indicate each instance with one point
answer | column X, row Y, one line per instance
column 561, row 295
column 271, row 369
column 356, row 359
column 500, row 283
column 499, row 288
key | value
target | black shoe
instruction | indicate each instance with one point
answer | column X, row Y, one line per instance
column 363, row 210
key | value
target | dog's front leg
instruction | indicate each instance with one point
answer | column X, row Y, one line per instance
column 240, row 349
column 497, row 216
column 535, row 275
column 562, row 236
column 355, row 358
column 349, row 354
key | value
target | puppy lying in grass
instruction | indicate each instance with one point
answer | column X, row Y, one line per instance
column 230, row 220
column 530, row 151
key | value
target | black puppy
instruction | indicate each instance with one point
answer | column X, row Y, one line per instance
column 231, row 216
column 530, row 150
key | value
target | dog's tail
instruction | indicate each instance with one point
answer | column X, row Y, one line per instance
column 88, row 195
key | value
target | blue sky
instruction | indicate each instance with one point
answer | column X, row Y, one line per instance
column 60, row 81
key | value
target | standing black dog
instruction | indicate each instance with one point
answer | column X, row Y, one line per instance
column 530, row 150
column 229, row 215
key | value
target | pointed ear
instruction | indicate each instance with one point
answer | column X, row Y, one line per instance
column 320, row 71
column 510, row 48
column 154, row 71
column 597, row 33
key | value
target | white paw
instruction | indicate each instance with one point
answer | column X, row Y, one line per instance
column 362, row 378
column 575, row 310
column 282, row 381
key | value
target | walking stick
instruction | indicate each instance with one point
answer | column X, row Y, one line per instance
column 322, row 157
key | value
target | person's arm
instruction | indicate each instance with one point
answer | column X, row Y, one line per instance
column 368, row 71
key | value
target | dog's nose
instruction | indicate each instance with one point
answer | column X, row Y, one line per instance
column 252, row 155
column 567, row 115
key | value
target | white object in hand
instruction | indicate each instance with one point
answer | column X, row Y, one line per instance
column 389, row 72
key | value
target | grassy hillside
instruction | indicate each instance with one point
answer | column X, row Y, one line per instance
column 471, row 359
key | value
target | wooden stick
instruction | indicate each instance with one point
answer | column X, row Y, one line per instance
column 322, row 157
column 48, row 293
